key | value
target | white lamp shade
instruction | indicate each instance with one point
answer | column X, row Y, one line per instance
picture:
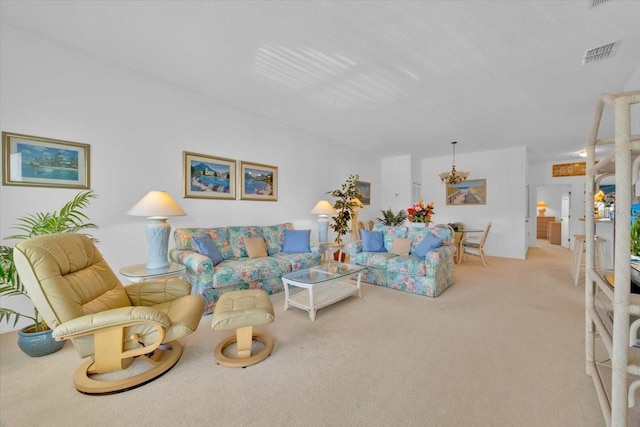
column 156, row 204
column 323, row 208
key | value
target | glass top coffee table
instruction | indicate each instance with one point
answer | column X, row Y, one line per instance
column 321, row 286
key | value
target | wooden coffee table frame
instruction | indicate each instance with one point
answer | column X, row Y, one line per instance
column 330, row 287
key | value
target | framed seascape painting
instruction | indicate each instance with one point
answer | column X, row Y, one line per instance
column 208, row 177
column 44, row 162
column 258, row 182
column 469, row 192
column 364, row 189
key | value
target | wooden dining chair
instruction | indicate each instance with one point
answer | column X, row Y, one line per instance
column 476, row 247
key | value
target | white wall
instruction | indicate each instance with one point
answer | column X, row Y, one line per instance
column 396, row 175
column 506, row 175
column 138, row 128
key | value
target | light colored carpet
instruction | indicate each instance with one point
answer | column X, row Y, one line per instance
column 504, row 346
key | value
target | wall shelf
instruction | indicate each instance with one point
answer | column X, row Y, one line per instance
column 611, row 308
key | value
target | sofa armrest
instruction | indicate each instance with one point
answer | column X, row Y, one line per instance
column 353, row 248
column 315, row 248
column 441, row 255
column 199, row 268
column 122, row 316
column 152, row 292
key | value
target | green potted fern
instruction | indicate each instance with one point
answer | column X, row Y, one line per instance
column 36, row 340
column 392, row 219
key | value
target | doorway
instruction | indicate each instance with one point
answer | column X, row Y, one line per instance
column 558, row 209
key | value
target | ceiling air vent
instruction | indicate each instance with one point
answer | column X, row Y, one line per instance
column 595, row 3
column 599, row 53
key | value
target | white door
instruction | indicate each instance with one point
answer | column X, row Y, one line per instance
column 565, row 216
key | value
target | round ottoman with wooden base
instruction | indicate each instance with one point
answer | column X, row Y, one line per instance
column 242, row 310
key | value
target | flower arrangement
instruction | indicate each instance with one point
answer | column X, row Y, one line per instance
column 599, row 196
column 420, row 212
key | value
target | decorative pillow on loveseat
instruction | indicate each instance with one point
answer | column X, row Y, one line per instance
column 372, row 241
column 296, row 241
column 256, row 247
column 428, row 243
column 205, row 246
column 401, row 246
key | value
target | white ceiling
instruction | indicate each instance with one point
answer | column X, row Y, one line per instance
column 391, row 77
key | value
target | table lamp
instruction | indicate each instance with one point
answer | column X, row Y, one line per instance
column 542, row 207
column 323, row 209
column 157, row 206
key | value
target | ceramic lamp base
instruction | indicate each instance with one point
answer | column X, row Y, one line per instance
column 158, row 230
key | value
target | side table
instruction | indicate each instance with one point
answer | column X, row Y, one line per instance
column 328, row 250
column 139, row 272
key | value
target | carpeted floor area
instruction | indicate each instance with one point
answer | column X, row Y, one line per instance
column 504, row 346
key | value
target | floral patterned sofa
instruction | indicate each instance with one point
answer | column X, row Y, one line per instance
column 429, row 275
column 235, row 269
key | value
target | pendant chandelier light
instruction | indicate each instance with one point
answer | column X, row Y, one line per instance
column 453, row 177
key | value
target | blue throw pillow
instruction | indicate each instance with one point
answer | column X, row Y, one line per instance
column 205, row 246
column 296, row 241
column 427, row 244
column 372, row 241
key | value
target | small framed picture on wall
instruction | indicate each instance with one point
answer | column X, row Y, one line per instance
column 258, row 182
column 208, row 177
column 44, row 162
column 469, row 192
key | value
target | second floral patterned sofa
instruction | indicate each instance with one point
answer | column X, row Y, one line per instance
column 423, row 270
column 230, row 265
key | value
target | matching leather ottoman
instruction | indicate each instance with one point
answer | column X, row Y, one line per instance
column 242, row 310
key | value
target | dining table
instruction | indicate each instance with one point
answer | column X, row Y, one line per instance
column 460, row 235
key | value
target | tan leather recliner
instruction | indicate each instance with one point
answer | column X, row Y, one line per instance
column 81, row 299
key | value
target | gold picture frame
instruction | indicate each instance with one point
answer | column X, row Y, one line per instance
column 208, row 177
column 34, row 161
column 364, row 189
column 258, row 182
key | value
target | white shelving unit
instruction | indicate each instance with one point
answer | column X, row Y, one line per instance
column 610, row 306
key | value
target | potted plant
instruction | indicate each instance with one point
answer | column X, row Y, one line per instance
column 36, row 340
column 345, row 205
column 389, row 218
column 635, row 237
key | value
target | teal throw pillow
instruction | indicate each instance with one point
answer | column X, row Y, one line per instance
column 427, row 244
column 296, row 241
column 205, row 246
column 372, row 241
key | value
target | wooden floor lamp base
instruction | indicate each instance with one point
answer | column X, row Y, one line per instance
column 162, row 360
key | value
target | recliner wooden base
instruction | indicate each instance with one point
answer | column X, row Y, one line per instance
column 162, row 359
column 244, row 337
